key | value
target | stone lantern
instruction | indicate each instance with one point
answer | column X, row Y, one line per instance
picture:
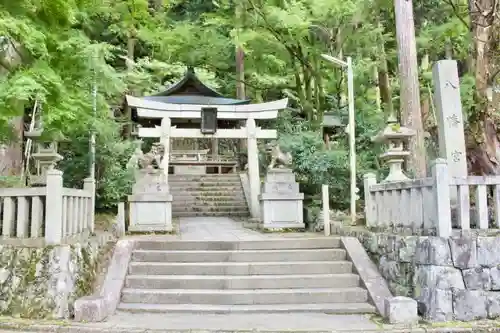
column 330, row 125
column 45, row 157
column 395, row 136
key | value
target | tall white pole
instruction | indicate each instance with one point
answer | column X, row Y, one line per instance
column 352, row 138
column 92, row 129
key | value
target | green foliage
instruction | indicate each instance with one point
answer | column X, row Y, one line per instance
column 114, row 181
column 55, row 51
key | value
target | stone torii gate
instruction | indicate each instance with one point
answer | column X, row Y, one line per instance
column 148, row 109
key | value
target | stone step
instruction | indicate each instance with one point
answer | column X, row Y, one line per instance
column 328, row 308
column 271, row 244
column 239, row 196
column 202, row 214
column 217, row 189
column 238, row 256
column 208, row 208
column 214, row 193
column 178, row 200
column 209, row 203
column 200, row 207
column 204, row 177
column 207, row 190
column 205, row 183
column 240, row 268
column 243, row 296
column 242, row 282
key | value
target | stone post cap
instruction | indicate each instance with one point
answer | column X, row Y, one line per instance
column 54, row 172
column 280, row 170
column 439, row 161
column 369, row 175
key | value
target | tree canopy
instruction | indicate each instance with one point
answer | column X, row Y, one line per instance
column 56, row 51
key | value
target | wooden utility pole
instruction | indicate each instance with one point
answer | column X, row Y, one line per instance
column 240, row 65
column 409, row 92
column 11, row 153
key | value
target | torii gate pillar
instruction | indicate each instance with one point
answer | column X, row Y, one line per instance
column 253, row 167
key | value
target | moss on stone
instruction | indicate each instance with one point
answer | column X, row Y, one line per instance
column 281, row 230
column 85, row 281
column 31, row 279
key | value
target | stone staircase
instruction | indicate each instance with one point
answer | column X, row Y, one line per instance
column 207, row 195
column 255, row 276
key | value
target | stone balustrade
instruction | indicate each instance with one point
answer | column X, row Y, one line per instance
column 407, row 204
column 76, row 211
column 50, row 213
column 435, row 205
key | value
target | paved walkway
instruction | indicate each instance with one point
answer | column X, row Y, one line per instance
column 215, row 228
column 222, row 228
column 306, row 322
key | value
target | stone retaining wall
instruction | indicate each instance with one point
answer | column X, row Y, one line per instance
column 44, row 282
column 452, row 279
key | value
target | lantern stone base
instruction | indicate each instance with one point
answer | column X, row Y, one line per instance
column 150, row 212
column 281, row 202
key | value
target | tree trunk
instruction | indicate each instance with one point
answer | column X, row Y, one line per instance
column 11, row 153
column 240, row 71
column 385, row 85
column 131, row 41
column 410, row 92
column 427, row 118
column 484, row 145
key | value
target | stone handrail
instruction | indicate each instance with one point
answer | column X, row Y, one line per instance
column 189, row 155
column 22, row 212
column 481, row 185
column 427, row 204
column 186, row 156
column 74, row 192
column 76, row 205
column 51, row 214
column 407, row 204
column 420, row 205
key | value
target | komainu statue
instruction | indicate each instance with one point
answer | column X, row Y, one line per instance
column 150, row 160
column 279, row 159
column 133, row 162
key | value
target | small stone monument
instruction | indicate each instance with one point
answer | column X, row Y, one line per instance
column 281, row 201
column 394, row 136
column 151, row 201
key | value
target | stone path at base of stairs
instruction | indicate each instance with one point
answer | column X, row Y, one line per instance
column 221, row 229
column 215, row 228
column 303, row 322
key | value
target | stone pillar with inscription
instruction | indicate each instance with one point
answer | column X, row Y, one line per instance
column 281, row 201
column 450, row 119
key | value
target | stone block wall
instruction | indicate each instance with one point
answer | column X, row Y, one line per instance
column 44, row 282
column 456, row 278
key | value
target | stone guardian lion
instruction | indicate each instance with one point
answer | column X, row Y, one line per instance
column 279, row 159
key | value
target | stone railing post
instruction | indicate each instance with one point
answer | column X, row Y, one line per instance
column 326, row 209
column 54, row 207
column 441, row 186
column 89, row 186
column 120, row 221
column 370, row 206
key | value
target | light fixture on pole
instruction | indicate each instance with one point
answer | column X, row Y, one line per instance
column 351, row 130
